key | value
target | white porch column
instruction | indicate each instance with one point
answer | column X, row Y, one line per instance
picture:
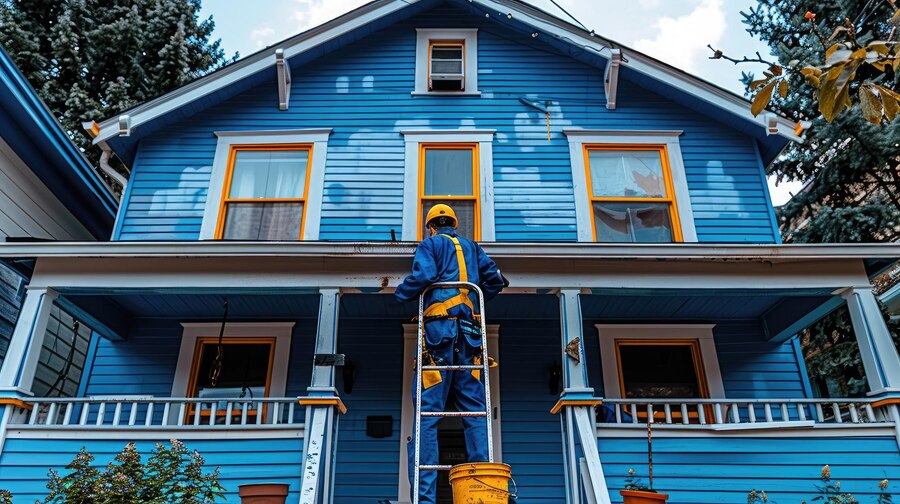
column 576, row 405
column 879, row 355
column 17, row 373
column 322, row 410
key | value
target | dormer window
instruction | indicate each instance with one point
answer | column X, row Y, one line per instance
column 447, row 66
column 446, row 62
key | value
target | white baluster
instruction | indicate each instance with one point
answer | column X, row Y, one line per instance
column 649, row 413
column 165, row 416
column 182, row 412
column 117, row 413
column 685, row 419
column 735, row 414
column 51, row 415
column 668, row 409
column 148, row 418
column 751, row 412
column 870, row 413
column 820, row 415
column 132, row 415
column 259, row 413
column 230, row 405
column 785, row 415
column 276, row 406
column 244, row 413
column 35, row 407
column 717, row 409
column 85, row 411
column 67, row 417
column 854, row 414
column 197, row 406
column 768, row 410
column 836, row 409
column 212, row 412
column 801, row 411
column 291, row 412
column 101, row 412
column 701, row 412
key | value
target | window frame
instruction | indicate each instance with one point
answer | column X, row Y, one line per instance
column 658, row 334
column 413, row 180
column 281, row 332
column 222, row 163
column 193, row 379
column 229, row 178
column 425, row 37
column 578, row 138
column 669, row 199
column 476, row 191
column 696, row 354
column 445, row 43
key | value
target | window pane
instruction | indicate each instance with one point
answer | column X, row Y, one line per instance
column 263, row 221
column 465, row 212
column 245, row 366
column 633, row 222
column 446, row 67
column 269, row 174
column 635, row 174
column 659, row 371
column 448, row 172
column 446, row 53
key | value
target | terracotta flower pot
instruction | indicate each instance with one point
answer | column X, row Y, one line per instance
column 639, row 497
column 263, row 493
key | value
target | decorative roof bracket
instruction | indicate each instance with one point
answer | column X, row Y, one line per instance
column 284, row 79
column 611, row 77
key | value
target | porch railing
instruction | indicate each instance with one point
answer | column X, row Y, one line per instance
column 159, row 413
column 742, row 413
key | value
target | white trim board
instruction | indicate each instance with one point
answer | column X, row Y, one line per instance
column 410, row 331
column 412, row 138
column 470, row 59
column 281, row 331
column 163, row 434
column 703, row 333
column 318, row 138
column 578, row 138
column 860, row 431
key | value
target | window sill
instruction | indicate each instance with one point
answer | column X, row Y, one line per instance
column 446, row 93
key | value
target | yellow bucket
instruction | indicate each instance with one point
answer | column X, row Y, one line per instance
column 480, row 483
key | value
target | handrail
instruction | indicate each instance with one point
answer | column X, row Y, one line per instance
column 156, row 412
column 736, row 413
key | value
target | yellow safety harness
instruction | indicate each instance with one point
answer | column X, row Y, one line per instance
column 441, row 309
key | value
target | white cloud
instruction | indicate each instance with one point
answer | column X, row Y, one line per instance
column 262, row 36
column 649, row 4
column 311, row 13
column 681, row 41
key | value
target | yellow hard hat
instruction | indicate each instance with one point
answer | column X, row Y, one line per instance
column 441, row 210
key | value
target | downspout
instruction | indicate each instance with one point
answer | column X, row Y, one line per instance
column 109, row 170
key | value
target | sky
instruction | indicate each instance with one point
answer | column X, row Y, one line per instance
column 674, row 31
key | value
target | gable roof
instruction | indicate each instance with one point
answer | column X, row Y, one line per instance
column 31, row 130
column 773, row 130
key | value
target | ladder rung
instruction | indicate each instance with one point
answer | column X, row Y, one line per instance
column 453, row 413
column 435, row 467
column 461, row 367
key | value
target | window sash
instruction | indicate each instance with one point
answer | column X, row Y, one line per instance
column 229, row 177
column 668, row 199
column 432, row 44
column 449, row 199
column 699, row 369
column 194, row 382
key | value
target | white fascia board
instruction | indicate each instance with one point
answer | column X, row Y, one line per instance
column 572, row 250
column 255, row 63
column 647, row 65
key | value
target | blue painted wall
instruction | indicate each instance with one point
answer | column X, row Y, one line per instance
column 145, row 363
column 723, row 469
column 241, row 461
column 363, row 92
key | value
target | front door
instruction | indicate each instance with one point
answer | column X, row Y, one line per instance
column 451, row 440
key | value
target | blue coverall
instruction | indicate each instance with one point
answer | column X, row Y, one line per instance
column 436, row 261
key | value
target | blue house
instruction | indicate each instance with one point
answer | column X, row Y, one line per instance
column 277, row 203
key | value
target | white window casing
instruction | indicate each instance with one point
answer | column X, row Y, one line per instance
column 413, row 139
column 469, row 36
column 193, row 331
column 410, row 332
column 702, row 333
column 577, row 140
column 318, row 138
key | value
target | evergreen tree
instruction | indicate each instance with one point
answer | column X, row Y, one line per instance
column 850, row 165
column 93, row 59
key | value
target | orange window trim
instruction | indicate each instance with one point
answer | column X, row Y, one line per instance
column 667, row 178
column 198, row 354
column 446, row 43
column 476, row 190
column 226, row 190
column 695, row 353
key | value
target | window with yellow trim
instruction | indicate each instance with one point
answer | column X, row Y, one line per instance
column 446, row 65
column 631, row 194
column 245, row 371
column 448, row 173
column 265, row 193
column 661, row 368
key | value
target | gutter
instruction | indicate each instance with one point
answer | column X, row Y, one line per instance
column 498, row 250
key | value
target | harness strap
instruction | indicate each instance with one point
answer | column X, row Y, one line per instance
column 441, row 308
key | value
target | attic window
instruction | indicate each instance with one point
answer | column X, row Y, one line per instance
column 446, row 62
column 446, row 68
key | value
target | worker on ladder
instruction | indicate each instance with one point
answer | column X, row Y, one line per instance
column 450, row 335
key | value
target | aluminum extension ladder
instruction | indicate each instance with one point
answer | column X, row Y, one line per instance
column 485, row 373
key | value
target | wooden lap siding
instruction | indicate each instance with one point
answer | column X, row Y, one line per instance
column 721, row 468
column 240, row 461
column 145, row 363
column 363, row 92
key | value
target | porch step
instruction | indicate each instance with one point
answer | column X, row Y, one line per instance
column 454, row 413
column 460, row 367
